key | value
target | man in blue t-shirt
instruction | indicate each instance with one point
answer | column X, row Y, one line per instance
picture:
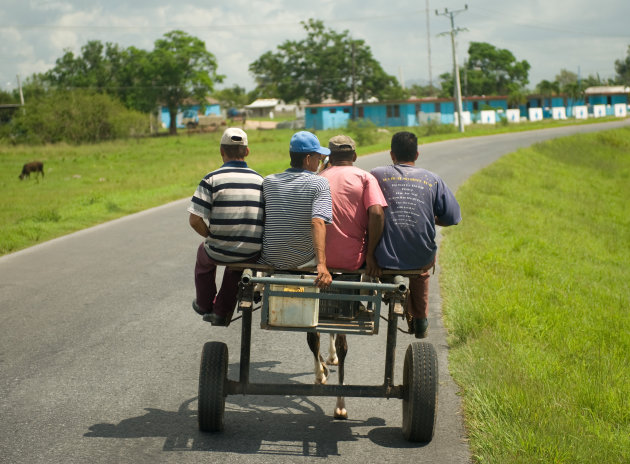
column 418, row 200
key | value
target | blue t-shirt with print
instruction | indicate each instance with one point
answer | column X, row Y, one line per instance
column 415, row 197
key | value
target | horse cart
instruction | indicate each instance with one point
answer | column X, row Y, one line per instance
column 291, row 301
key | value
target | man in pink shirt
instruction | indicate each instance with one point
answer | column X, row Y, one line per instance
column 358, row 216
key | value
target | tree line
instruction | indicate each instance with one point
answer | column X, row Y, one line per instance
column 325, row 64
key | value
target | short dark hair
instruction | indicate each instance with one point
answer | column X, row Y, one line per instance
column 405, row 146
column 341, row 155
column 234, row 151
column 297, row 159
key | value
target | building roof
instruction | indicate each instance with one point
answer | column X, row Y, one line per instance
column 411, row 100
column 607, row 90
column 193, row 101
column 263, row 103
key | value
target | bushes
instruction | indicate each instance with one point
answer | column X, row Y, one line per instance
column 363, row 131
column 74, row 117
column 434, row 128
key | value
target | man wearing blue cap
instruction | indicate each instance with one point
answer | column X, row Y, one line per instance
column 297, row 208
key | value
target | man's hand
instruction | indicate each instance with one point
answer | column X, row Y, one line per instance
column 318, row 228
column 371, row 266
column 324, row 278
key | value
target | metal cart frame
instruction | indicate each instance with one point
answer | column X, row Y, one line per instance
column 419, row 390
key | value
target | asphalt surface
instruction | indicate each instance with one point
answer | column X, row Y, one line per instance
column 100, row 350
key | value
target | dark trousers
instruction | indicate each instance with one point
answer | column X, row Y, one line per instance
column 208, row 300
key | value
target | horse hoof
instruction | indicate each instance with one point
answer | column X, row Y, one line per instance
column 341, row 414
column 321, row 381
column 332, row 361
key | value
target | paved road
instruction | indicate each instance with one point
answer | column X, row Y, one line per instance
column 99, row 352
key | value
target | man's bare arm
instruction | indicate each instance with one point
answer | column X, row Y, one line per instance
column 318, row 228
column 197, row 223
column 376, row 223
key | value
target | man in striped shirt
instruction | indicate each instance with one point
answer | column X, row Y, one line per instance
column 297, row 208
column 230, row 199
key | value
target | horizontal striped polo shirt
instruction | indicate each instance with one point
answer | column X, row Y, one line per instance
column 230, row 198
column 292, row 198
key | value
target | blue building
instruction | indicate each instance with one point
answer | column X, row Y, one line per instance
column 327, row 115
column 548, row 103
column 601, row 101
column 477, row 104
column 608, row 97
column 401, row 113
column 212, row 107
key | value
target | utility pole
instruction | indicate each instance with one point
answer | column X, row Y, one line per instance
column 458, row 90
column 20, row 89
column 429, row 50
column 354, row 100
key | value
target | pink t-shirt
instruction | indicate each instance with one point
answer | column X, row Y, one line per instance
column 353, row 191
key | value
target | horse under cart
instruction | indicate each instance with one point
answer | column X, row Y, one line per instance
column 291, row 301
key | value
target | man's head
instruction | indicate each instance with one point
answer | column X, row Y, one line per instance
column 342, row 150
column 234, row 144
column 305, row 150
column 404, row 147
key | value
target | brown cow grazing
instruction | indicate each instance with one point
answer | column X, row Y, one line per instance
column 34, row 166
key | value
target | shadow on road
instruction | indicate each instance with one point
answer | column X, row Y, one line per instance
column 273, row 425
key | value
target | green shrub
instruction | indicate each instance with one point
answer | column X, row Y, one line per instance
column 434, row 128
column 74, row 117
column 363, row 132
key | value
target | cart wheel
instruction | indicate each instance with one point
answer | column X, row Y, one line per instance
column 420, row 376
column 212, row 383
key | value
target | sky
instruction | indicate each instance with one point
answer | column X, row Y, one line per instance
column 581, row 36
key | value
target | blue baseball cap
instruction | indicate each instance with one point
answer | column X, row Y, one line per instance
column 307, row 142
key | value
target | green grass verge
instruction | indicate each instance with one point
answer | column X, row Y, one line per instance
column 89, row 184
column 536, row 299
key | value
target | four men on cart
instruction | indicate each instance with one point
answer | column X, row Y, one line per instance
column 344, row 218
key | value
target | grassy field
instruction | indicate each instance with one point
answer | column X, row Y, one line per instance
column 536, row 284
column 89, row 184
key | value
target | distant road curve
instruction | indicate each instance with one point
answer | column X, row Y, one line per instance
column 455, row 160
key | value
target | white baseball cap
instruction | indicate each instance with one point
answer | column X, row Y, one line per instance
column 234, row 136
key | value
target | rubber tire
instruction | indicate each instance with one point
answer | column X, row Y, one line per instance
column 212, row 386
column 420, row 384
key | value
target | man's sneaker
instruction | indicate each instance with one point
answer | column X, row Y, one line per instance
column 215, row 319
column 420, row 327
